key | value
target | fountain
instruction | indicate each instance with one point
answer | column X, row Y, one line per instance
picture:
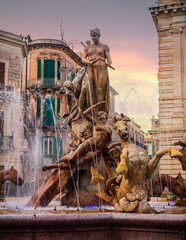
column 103, row 180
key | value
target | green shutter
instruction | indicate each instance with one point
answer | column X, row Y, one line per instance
column 52, row 69
column 58, row 108
column 48, row 112
column 73, row 76
column 58, row 72
column 38, row 69
column 49, row 72
column 38, row 114
column 46, row 68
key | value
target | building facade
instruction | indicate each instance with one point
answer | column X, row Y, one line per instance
column 48, row 65
column 12, row 142
column 170, row 21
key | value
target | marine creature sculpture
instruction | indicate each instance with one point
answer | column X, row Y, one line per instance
column 175, row 185
column 10, row 175
column 129, row 188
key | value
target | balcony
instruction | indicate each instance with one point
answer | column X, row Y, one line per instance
column 44, row 84
column 6, row 142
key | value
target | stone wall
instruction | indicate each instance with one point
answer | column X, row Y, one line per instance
column 170, row 22
column 12, row 53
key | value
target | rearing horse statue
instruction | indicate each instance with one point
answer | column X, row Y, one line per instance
column 133, row 170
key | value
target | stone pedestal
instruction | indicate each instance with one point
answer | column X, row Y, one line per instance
column 92, row 226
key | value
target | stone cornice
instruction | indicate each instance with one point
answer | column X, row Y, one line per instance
column 167, row 9
column 53, row 43
column 14, row 40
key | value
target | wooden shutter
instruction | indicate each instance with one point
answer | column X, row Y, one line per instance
column 58, row 72
column 73, row 76
column 46, row 68
column 52, row 69
column 2, row 73
column 49, row 72
column 38, row 69
column 38, row 113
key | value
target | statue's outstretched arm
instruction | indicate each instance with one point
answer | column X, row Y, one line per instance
column 89, row 116
column 152, row 164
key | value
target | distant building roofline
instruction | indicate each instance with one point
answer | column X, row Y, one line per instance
column 55, row 43
column 13, row 39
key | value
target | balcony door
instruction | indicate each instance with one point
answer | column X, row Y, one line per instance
column 49, row 73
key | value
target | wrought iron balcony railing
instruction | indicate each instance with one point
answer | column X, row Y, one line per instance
column 45, row 83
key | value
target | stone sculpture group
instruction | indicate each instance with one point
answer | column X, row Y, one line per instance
column 97, row 170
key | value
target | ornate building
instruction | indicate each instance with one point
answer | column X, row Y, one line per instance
column 12, row 142
column 49, row 63
column 170, row 21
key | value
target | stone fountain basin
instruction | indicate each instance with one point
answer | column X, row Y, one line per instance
column 49, row 223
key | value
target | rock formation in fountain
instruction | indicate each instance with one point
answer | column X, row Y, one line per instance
column 129, row 188
column 10, row 175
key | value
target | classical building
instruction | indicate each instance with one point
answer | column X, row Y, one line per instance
column 136, row 134
column 12, row 143
column 48, row 65
column 170, row 21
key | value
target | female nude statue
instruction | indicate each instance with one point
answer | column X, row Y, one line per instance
column 97, row 57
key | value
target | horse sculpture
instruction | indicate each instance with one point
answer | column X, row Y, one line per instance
column 10, row 175
column 129, row 188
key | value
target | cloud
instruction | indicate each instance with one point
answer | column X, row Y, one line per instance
column 135, row 79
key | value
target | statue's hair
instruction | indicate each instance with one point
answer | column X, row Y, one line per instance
column 96, row 31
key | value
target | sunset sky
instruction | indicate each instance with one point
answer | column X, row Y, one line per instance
column 126, row 27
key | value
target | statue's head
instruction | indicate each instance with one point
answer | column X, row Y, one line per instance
column 121, row 125
column 95, row 34
column 102, row 116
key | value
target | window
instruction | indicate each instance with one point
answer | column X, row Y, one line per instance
column 39, row 69
column 48, row 111
column 58, row 72
column 2, row 73
column 49, row 72
column 73, row 76
column 48, row 143
column 38, row 114
column 52, row 146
